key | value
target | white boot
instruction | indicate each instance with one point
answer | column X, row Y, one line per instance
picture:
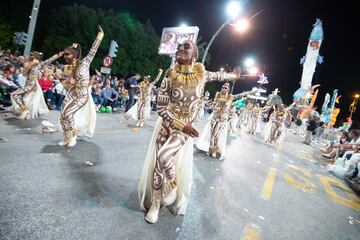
column 141, row 123
column 72, row 141
column 66, row 139
column 138, row 123
column 152, row 215
column 169, row 193
column 23, row 114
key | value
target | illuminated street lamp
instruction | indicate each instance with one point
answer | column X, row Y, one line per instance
column 241, row 25
column 249, row 62
column 233, row 10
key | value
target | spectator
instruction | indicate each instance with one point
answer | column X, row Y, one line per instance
column 297, row 125
column 340, row 149
column 96, row 95
column 59, row 93
column 20, row 78
column 120, row 88
column 46, row 84
column 132, row 84
column 110, row 97
column 310, row 129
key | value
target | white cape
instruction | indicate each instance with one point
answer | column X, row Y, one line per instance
column 34, row 101
column 85, row 118
column 132, row 113
column 183, row 164
column 203, row 143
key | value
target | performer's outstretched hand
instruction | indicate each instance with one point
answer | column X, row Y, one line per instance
column 190, row 130
column 100, row 29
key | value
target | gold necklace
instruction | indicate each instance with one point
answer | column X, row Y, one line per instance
column 187, row 75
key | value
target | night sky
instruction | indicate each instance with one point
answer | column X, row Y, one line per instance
column 277, row 39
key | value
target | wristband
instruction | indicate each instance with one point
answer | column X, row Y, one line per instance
column 178, row 124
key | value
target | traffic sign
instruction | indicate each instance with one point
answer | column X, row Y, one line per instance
column 107, row 61
column 105, row 70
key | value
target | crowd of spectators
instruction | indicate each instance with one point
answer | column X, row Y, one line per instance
column 106, row 91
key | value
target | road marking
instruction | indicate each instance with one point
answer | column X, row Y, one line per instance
column 251, row 232
column 268, row 184
column 275, row 158
column 113, row 131
column 330, row 184
column 296, row 177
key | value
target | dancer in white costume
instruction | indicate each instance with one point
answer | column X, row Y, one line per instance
column 167, row 171
column 255, row 119
column 142, row 108
column 213, row 138
column 203, row 101
column 275, row 129
column 78, row 112
column 30, row 99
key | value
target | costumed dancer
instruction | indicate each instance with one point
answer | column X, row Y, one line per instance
column 203, row 100
column 255, row 119
column 167, row 171
column 142, row 108
column 78, row 112
column 213, row 138
column 30, row 99
column 275, row 128
column 233, row 120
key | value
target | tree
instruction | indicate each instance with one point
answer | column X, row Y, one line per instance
column 138, row 43
column 6, row 35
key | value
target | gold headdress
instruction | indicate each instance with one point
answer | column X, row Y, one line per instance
column 75, row 45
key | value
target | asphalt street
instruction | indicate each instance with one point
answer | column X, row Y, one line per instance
column 258, row 192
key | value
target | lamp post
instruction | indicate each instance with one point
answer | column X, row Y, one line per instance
column 233, row 9
column 31, row 28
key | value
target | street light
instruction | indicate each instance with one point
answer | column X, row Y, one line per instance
column 233, row 10
column 242, row 25
column 182, row 25
column 249, row 62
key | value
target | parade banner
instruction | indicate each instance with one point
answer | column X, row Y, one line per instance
column 172, row 36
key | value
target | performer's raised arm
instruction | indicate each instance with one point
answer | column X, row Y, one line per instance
column 243, row 94
column 223, row 76
column 157, row 77
column 53, row 58
column 90, row 56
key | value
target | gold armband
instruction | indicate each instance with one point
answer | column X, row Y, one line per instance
column 178, row 124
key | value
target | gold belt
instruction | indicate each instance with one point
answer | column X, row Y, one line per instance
column 179, row 112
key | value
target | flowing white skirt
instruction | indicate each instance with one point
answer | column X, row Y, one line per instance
column 203, row 143
column 133, row 112
column 85, row 118
column 183, row 164
column 34, row 101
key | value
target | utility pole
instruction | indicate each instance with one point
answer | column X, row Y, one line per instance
column 31, row 28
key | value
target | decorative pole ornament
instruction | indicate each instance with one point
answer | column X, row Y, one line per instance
column 310, row 60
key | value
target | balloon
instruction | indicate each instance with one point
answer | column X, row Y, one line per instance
column 102, row 109
column 108, row 109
